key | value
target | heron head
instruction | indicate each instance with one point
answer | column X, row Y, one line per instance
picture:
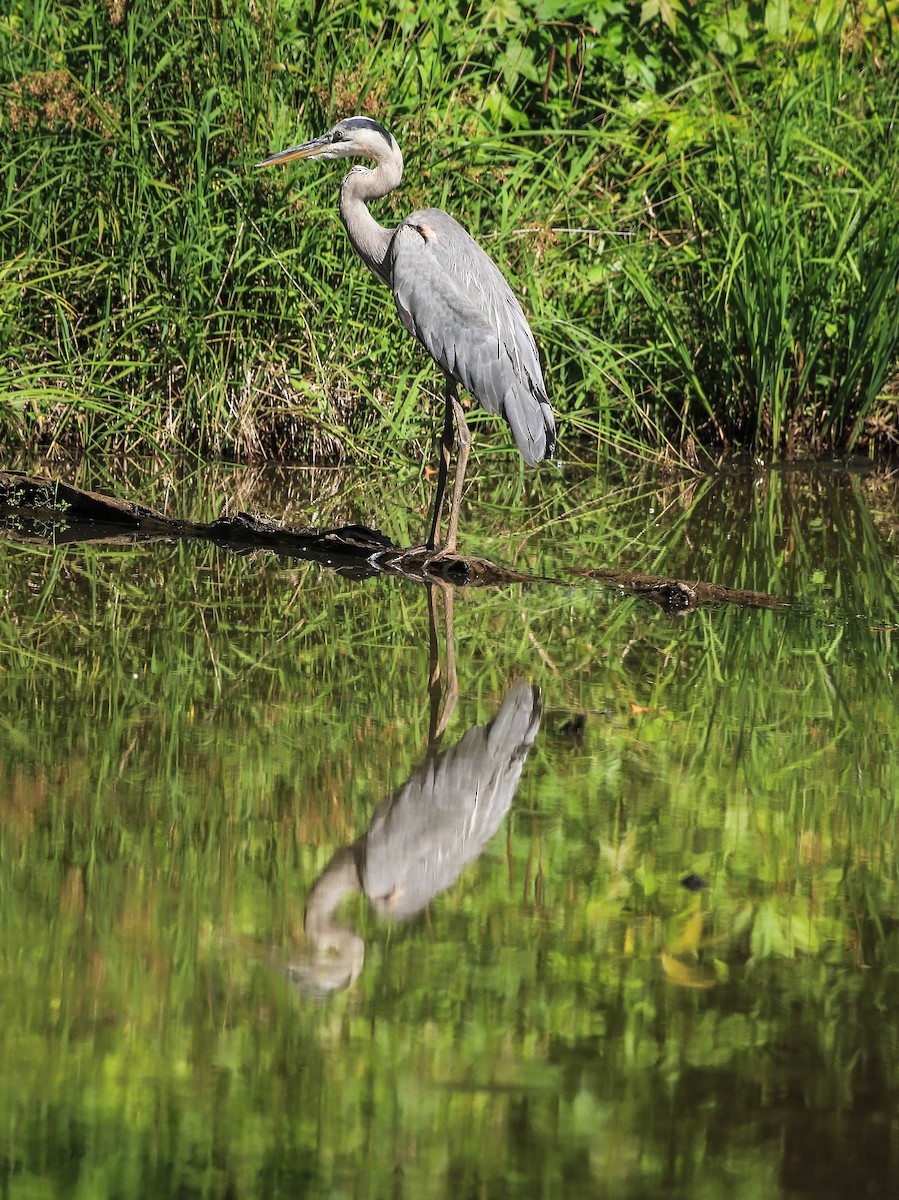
column 354, row 137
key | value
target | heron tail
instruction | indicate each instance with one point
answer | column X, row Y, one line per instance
column 533, row 426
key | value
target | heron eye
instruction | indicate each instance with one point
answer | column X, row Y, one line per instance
column 338, row 136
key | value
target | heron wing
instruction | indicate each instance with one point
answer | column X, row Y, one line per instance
column 453, row 298
column 422, row 838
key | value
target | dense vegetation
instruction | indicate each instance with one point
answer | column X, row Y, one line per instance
column 699, row 205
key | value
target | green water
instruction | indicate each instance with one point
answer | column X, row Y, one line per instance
column 197, row 747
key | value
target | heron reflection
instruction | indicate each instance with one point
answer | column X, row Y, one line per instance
column 419, row 841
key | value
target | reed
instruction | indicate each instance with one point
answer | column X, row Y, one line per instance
column 776, row 296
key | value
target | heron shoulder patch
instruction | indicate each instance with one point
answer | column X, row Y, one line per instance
column 424, row 230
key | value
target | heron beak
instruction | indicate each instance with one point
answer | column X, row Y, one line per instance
column 307, row 150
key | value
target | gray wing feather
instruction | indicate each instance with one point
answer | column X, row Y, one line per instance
column 453, row 298
column 422, row 838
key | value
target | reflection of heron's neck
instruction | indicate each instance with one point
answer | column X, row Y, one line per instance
column 337, row 953
column 369, row 239
column 339, row 879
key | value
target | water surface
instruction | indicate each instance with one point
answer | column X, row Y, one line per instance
column 263, row 934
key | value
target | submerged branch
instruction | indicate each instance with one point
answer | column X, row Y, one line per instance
column 48, row 510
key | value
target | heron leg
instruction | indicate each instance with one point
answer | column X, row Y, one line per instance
column 446, row 449
column 464, row 436
column 448, row 694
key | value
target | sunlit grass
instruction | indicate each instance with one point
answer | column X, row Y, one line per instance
column 777, row 299
column 714, row 265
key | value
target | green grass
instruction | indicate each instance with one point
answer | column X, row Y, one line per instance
column 777, row 297
column 707, row 252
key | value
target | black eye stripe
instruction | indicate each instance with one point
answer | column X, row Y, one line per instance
column 368, row 123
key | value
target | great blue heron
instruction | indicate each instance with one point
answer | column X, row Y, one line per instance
column 451, row 296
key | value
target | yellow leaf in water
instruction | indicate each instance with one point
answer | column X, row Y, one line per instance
column 685, row 974
column 690, row 936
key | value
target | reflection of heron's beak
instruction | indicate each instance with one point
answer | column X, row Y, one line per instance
column 307, row 150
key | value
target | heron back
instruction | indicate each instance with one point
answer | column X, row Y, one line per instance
column 454, row 299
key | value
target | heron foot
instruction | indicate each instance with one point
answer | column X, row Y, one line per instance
column 427, row 556
column 416, row 554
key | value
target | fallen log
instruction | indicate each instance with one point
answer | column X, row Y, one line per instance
column 29, row 504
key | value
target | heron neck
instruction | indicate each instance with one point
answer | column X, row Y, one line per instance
column 369, row 239
column 338, row 880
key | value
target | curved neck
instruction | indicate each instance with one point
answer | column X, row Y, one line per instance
column 369, row 239
column 339, row 879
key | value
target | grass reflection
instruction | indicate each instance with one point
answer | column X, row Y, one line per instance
column 188, row 737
